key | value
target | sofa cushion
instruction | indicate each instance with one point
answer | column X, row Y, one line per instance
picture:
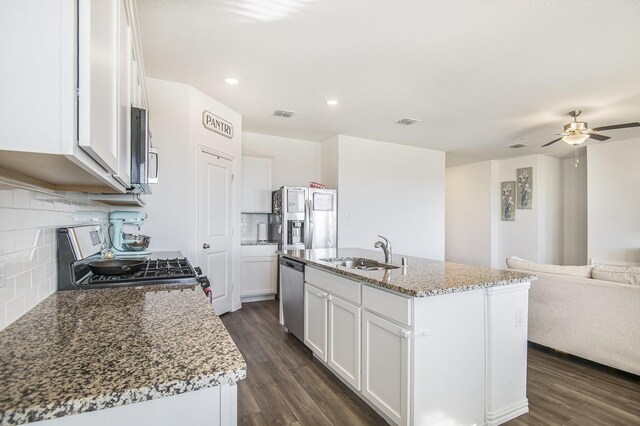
column 619, row 274
column 514, row 262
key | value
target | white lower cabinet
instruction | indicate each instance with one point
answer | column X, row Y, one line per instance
column 344, row 339
column 315, row 320
column 258, row 271
column 385, row 366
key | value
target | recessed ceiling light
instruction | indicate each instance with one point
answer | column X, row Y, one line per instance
column 230, row 80
column 332, row 102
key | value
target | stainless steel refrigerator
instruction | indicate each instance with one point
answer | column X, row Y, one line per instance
column 304, row 218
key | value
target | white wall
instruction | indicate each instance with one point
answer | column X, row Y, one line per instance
column 28, row 248
column 575, row 211
column 330, row 160
column 475, row 232
column 176, row 123
column 468, row 210
column 296, row 162
column 549, row 210
column 393, row 190
column 168, row 206
column 518, row 237
column 613, row 184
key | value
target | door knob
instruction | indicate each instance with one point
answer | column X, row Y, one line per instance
column 205, row 246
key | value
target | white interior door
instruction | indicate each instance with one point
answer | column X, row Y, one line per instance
column 215, row 227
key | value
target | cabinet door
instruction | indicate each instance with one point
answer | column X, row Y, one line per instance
column 97, row 81
column 256, row 184
column 344, row 339
column 315, row 321
column 258, row 276
column 385, row 366
column 125, row 49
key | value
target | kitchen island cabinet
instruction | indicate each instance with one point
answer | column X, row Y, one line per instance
column 438, row 343
column 141, row 355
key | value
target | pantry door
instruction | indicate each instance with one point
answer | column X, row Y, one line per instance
column 215, row 227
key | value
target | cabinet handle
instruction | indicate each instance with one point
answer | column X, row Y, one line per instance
column 154, row 151
column 405, row 334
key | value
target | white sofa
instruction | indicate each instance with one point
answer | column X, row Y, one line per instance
column 594, row 319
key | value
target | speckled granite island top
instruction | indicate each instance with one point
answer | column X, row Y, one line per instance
column 81, row 351
column 422, row 277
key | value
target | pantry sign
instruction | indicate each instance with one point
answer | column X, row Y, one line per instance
column 217, row 124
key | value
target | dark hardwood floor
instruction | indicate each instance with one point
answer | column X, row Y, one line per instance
column 286, row 385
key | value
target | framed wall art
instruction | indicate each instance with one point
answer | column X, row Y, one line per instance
column 507, row 201
column 524, row 192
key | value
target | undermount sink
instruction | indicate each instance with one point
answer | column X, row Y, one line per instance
column 359, row 263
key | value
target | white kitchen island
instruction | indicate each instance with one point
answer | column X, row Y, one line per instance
column 435, row 343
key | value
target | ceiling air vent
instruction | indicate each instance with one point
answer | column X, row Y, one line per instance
column 283, row 113
column 518, row 145
column 407, row 121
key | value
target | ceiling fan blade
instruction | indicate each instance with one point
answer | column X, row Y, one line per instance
column 599, row 137
column 553, row 141
column 617, row 126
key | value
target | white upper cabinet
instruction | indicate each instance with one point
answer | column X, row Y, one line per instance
column 67, row 92
column 98, row 57
column 125, row 98
column 256, row 184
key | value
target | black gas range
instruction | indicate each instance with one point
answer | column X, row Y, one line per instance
column 80, row 246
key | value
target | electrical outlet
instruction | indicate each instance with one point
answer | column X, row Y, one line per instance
column 3, row 274
column 519, row 317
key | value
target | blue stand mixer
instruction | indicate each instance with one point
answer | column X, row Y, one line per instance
column 126, row 243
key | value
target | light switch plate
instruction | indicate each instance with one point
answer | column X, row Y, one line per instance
column 519, row 317
column 3, row 274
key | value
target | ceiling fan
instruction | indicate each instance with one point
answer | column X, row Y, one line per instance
column 577, row 132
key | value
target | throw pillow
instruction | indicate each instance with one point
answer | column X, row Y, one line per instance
column 514, row 262
column 619, row 274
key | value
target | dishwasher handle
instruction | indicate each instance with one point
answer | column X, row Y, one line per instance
column 298, row 266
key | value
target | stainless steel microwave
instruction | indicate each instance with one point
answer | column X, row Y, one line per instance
column 144, row 157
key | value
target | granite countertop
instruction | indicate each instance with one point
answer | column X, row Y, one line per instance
column 258, row 243
column 422, row 277
column 80, row 351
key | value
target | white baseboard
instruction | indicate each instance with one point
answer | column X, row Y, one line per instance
column 249, row 299
column 509, row 413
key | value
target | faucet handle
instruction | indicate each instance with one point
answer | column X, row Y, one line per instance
column 386, row 241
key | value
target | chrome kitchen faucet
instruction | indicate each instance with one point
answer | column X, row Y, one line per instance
column 386, row 248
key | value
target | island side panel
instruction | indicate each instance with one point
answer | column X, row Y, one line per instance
column 215, row 406
column 449, row 361
column 506, row 352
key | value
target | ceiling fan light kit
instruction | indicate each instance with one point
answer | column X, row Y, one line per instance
column 575, row 139
column 576, row 132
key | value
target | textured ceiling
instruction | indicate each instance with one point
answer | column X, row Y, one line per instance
column 479, row 75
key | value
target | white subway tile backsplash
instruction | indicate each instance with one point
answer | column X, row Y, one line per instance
column 8, row 292
column 37, row 275
column 13, row 263
column 30, row 298
column 28, row 222
column 15, row 308
column 44, row 290
column 7, row 242
column 23, row 282
column 21, row 198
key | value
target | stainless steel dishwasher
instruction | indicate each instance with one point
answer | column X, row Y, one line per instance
column 292, row 297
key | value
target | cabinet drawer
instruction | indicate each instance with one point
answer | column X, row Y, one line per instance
column 343, row 287
column 258, row 251
column 392, row 306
